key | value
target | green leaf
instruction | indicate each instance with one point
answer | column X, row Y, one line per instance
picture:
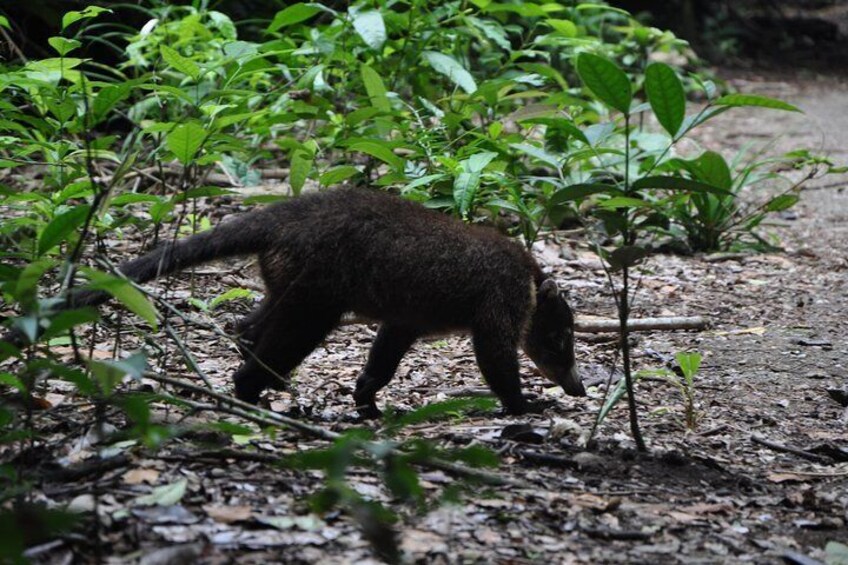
column 8, row 379
column 125, row 293
column 678, row 183
column 467, row 182
column 179, row 63
column 185, row 140
column 338, row 174
column 232, row 294
column 440, row 410
column 59, row 227
column 90, row 12
column 380, row 150
column 836, row 553
column 666, row 96
column 166, row 495
column 301, row 165
column 4, row 22
column 539, row 154
column 689, row 363
column 67, row 319
column 577, row 191
column 756, row 101
column 626, row 256
column 293, row 14
column 782, row 202
column 375, row 88
column 712, row 169
column 606, row 81
column 450, row 67
column 625, row 202
column 62, row 45
column 370, row 27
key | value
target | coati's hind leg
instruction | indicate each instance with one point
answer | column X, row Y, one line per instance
column 498, row 360
column 287, row 335
column 249, row 328
column 389, row 347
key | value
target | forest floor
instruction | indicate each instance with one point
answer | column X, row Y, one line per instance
column 723, row 493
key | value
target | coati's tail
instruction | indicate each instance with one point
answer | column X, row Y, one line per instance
column 246, row 235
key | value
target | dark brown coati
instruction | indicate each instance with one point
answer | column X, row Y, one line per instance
column 416, row 271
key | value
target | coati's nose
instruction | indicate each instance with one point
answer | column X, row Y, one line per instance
column 572, row 383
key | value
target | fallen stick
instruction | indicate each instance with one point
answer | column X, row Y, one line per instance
column 597, row 325
column 756, row 438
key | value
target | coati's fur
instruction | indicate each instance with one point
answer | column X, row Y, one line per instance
column 416, row 271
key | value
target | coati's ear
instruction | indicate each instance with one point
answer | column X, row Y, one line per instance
column 547, row 290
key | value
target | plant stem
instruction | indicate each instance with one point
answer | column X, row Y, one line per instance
column 623, row 316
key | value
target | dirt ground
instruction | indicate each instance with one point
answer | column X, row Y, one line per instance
column 725, row 493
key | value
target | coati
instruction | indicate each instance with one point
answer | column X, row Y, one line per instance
column 416, row 271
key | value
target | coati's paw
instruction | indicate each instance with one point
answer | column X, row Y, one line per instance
column 369, row 412
column 247, row 389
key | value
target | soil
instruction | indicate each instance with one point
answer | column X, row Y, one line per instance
column 763, row 476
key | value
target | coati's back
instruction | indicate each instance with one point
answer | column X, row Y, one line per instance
column 382, row 256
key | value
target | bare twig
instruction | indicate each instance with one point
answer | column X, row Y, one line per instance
column 756, row 438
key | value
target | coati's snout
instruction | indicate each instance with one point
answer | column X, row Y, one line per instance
column 550, row 339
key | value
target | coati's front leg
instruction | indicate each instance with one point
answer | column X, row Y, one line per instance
column 287, row 335
column 389, row 347
column 497, row 358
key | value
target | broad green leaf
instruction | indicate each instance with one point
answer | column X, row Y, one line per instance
column 678, row 183
column 836, row 553
column 467, row 182
column 755, row 100
column 185, row 140
column 539, row 154
column 426, row 180
column 232, row 294
column 10, row 380
column 379, row 150
column 566, row 28
column 124, row 292
column 689, row 364
column 450, row 67
column 577, row 191
column 375, row 88
column 180, row 63
column 293, row 14
column 301, row 166
column 606, row 81
column 90, row 12
column 626, row 256
column 370, row 27
column 782, row 202
column 62, row 45
column 666, row 96
column 439, row 410
column 625, row 202
column 28, row 279
column 712, row 169
column 4, row 22
column 167, row 495
column 110, row 373
column 338, row 174
column 67, row 319
column 58, row 229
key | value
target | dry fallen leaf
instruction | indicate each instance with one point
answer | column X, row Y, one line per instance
column 138, row 476
column 228, row 514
